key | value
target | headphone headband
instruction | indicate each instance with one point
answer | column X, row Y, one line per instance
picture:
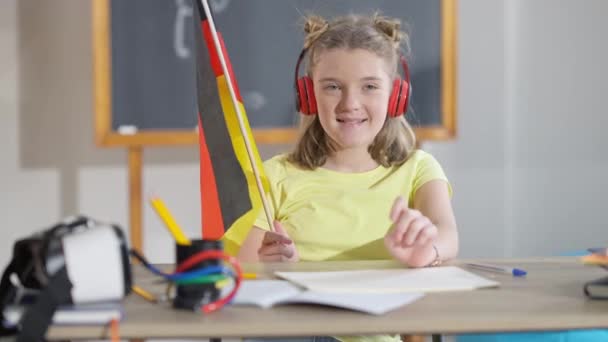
column 299, row 101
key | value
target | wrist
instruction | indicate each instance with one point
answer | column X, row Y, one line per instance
column 437, row 257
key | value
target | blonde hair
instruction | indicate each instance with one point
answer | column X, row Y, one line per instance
column 380, row 35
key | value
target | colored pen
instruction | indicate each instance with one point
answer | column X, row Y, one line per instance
column 599, row 250
column 144, row 294
column 170, row 223
column 517, row 272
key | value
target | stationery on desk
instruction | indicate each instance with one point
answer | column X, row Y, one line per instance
column 430, row 279
column 370, row 291
column 516, row 272
column 597, row 288
column 269, row 293
column 602, row 251
column 167, row 218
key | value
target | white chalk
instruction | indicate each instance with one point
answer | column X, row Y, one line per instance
column 127, row 129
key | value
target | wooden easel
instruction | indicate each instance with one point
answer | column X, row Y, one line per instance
column 135, row 165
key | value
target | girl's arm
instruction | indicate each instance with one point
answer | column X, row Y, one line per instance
column 433, row 201
column 428, row 230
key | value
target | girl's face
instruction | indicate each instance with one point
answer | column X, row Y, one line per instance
column 352, row 89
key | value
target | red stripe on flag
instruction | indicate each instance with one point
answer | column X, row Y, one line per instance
column 215, row 61
column 213, row 224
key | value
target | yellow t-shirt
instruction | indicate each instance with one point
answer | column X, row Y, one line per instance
column 334, row 215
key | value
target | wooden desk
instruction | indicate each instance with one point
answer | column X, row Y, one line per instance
column 549, row 298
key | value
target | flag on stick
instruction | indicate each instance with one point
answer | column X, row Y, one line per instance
column 229, row 159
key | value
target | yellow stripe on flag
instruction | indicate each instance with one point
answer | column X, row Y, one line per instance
column 239, row 230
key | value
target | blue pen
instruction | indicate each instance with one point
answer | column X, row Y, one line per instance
column 598, row 250
column 517, row 272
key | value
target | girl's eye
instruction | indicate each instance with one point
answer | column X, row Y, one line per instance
column 331, row 87
column 371, row 87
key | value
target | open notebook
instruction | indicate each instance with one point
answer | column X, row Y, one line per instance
column 430, row 279
column 268, row 293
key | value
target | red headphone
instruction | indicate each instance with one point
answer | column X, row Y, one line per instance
column 306, row 102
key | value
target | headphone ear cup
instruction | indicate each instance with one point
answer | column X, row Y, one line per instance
column 392, row 100
column 403, row 98
column 312, row 99
column 398, row 102
column 301, row 96
column 306, row 96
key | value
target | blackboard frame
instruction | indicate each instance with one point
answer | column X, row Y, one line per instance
column 102, row 91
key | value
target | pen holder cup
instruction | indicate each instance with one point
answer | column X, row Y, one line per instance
column 192, row 296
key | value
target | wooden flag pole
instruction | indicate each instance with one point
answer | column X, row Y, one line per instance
column 239, row 115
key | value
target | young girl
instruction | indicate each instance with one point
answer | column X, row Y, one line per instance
column 354, row 187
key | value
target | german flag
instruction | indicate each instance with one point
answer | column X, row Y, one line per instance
column 229, row 196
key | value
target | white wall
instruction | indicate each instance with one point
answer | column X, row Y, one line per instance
column 526, row 167
column 559, row 125
column 475, row 161
column 529, row 164
column 28, row 196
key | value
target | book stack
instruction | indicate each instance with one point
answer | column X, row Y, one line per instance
column 598, row 288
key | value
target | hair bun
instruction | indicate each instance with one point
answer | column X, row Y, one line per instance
column 314, row 26
column 390, row 27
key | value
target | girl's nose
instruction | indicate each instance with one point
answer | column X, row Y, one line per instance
column 349, row 101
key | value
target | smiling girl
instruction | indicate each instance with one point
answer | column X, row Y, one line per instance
column 355, row 187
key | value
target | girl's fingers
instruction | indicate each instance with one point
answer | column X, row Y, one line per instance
column 398, row 206
column 401, row 226
column 276, row 245
column 274, row 258
column 427, row 235
column 277, row 248
column 273, row 237
column 414, row 229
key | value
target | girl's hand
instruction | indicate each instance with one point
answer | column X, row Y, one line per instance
column 277, row 246
column 410, row 239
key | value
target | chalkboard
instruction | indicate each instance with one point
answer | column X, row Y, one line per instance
column 145, row 73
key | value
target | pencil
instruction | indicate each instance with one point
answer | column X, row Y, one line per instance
column 143, row 293
column 170, row 223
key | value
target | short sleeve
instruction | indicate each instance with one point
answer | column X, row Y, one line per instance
column 427, row 169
